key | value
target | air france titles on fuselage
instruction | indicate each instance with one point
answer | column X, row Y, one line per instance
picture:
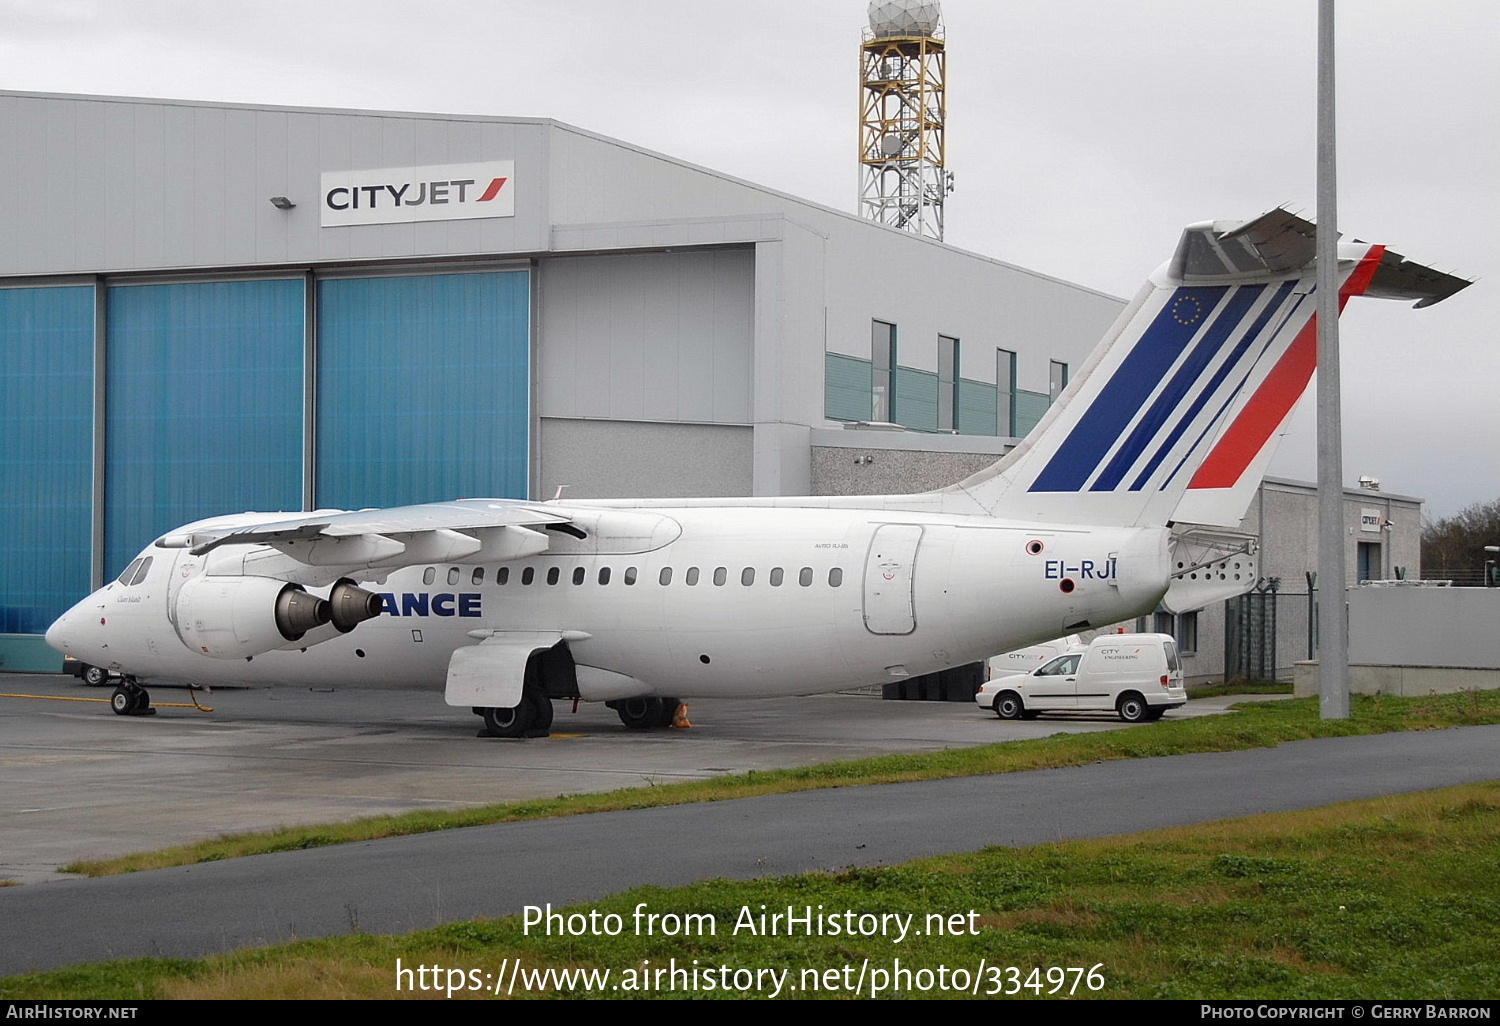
column 1083, row 570
column 421, row 603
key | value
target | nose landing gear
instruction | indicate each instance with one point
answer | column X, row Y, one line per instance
column 130, row 699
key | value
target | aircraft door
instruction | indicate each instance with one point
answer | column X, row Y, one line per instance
column 890, row 568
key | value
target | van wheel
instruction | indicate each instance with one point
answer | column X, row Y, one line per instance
column 1133, row 708
column 1008, row 706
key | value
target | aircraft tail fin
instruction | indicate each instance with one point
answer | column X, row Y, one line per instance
column 1176, row 413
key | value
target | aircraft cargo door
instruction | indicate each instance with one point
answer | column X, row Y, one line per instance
column 889, row 568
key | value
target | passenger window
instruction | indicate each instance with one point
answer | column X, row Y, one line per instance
column 666, row 576
column 578, row 575
column 429, row 575
column 747, row 576
column 553, row 573
column 528, row 575
column 129, row 571
column 604, row 575
column 630, row 575
column 452, row 576
column 502, row 576
column 776, row 577
column 692, row 576
column 835, row 577
column 478, row 576
column 721, row 575
column 805, row 577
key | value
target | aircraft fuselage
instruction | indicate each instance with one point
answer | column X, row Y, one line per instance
column 690, row 602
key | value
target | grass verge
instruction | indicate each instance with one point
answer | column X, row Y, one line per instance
column 1256, row 725
column 1380, row 899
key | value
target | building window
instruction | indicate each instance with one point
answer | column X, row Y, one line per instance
column 1187, row 633
column 1005, row 393
column 1057, row 380
column 947, row 383
column 1162, row 624
column 882, row 371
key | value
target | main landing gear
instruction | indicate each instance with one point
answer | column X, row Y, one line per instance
column 130, row 699
column 645, row 712
column 532, row 718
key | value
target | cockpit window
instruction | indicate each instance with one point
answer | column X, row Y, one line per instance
column 136, row 572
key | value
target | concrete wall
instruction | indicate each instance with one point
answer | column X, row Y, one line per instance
column 647, row 336
column 608, row 459
column 864, row 462
column 1413, row 626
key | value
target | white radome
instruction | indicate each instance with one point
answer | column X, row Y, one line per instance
column 906, row 18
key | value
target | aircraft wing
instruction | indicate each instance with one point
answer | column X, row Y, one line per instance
column 490, row 529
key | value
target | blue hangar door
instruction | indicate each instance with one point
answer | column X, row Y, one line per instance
column 424, row 388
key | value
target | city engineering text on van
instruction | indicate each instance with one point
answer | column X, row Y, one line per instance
column 1137, row 676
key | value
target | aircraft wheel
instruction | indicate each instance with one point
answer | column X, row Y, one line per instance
column 1008, row 706
column 123, row 701
column 668, row 711
column 1133, row 708
column 95, row 676
column 641, row 713
column 512, row 721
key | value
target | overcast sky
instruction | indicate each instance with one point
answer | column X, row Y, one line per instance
column 1084, row 134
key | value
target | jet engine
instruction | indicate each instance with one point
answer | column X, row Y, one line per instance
column 240, row 617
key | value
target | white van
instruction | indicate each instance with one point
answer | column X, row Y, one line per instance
column 1024, row 660
column 1137, row 675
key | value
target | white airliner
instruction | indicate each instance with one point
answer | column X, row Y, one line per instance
column 1115, row 503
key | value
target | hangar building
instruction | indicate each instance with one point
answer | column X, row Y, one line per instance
column 211, row 307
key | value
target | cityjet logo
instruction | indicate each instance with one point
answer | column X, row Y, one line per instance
column 438, row 192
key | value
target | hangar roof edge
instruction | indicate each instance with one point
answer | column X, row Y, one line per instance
column 559, row 126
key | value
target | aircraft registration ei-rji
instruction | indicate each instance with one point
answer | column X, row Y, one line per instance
column 1124, row 497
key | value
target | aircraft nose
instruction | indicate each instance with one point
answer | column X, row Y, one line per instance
column 65, row 634
column 57, row 634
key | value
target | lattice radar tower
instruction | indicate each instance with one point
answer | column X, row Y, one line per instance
column 902, row 114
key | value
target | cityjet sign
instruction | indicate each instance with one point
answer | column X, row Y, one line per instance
column 439, row 192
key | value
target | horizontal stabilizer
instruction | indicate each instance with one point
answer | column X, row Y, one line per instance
column 1400, row 278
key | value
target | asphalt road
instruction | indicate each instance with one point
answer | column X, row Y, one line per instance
column 407, row 883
